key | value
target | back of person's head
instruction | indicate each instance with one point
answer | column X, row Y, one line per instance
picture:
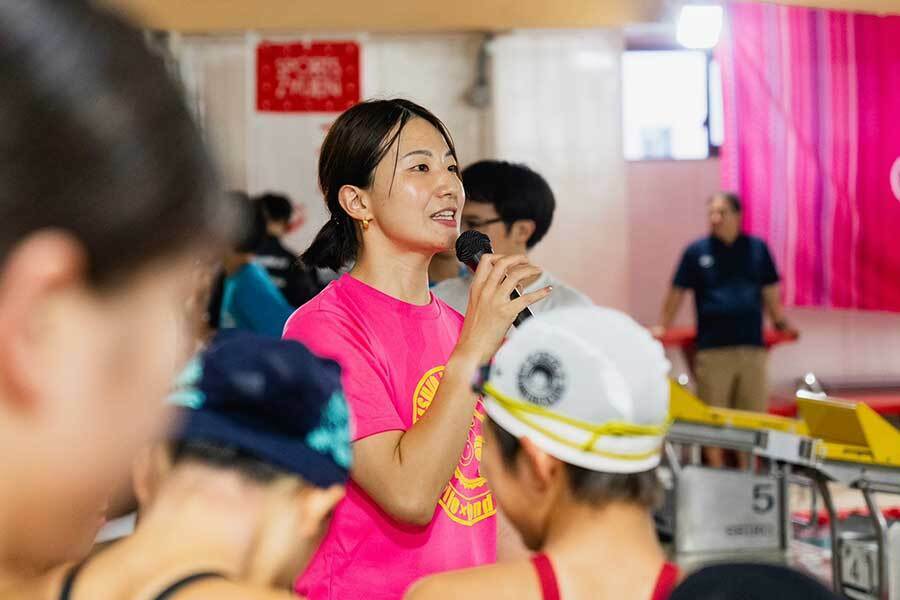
column 356, row 143
column 269, row 412
column 277, row 208
column 107, row 197
column 252, row 221
column 249, row 395
column 96, row 141
column 750, row 582
column 516, row 192
column 588, row 387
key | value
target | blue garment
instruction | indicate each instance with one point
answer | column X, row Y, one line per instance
column 461, row 272
column 251, row 302
column 727, row 282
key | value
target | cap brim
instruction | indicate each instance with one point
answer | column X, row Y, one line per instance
column 572, row 455
column 288, row 453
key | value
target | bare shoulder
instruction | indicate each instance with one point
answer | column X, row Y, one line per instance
column 503, row 581
column 221, row 589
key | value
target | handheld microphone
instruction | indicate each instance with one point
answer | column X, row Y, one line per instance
column 470, row 247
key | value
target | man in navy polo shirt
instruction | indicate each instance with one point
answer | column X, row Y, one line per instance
column 733, row 278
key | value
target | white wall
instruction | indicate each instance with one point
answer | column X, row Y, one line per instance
column 666, row 210
column 435, row 71
column 214, row 75
column 557, row 108
column 271, row 151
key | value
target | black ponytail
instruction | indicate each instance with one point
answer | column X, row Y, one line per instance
column 354, row 146
column 335, row 245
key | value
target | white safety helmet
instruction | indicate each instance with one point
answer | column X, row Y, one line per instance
column 587, row 385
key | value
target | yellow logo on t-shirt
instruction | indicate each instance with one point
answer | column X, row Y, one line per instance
column 466, row 499
column 425, row 391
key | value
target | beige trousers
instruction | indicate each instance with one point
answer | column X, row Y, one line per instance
column 733, row 377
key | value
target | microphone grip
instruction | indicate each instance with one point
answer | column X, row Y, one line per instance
column 526, row 312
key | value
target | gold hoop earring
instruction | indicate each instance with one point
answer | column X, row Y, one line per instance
column 365, row 224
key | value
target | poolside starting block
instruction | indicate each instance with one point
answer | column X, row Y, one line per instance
column 711, row 510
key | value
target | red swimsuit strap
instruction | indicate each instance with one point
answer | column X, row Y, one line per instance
column 665, row 583
column 545, row 573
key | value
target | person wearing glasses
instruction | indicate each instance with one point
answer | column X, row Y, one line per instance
column 513, row 205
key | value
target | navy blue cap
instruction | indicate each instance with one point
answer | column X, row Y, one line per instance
column 272, row 399
column 750, row 581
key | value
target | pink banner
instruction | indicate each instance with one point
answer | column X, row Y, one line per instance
column 812, row 144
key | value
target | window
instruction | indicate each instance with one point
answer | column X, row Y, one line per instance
column 672, row 105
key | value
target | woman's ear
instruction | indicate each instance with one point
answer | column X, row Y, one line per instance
column 355, row 202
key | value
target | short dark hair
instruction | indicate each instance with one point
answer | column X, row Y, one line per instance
column 96, row 140
column 733, row 200
column 277, row 208
column 593, row 487
column 516, row 192
column 355, row 144
column 226, row 456
column 750, row 581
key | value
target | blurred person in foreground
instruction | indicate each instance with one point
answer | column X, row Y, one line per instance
column 107, row 199
column 514, row 206
column 294, row 280
column 577, row 401
column 750, row 582
column 236, row 501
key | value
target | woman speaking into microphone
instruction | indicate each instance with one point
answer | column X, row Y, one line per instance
column 417, row 503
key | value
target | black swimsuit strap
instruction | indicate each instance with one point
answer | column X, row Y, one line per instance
column 186, row 581
column 69, row 582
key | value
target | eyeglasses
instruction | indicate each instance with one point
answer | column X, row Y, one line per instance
column 471, row 224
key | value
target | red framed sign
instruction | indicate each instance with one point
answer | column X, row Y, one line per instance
column 313, row 77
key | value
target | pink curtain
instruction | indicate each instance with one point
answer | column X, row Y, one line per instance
column 812, row 144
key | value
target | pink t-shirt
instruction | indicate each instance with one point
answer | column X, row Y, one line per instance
column 393, row 356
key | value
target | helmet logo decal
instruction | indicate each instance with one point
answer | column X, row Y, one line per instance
column 541, row 379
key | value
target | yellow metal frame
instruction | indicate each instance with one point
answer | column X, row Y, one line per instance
column 844, row 431
column 851, row 432
column 685, row 406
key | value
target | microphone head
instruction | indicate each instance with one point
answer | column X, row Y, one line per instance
column 471, row 245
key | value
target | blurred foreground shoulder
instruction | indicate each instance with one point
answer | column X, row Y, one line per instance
column 501, row 581
column 222, row 589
